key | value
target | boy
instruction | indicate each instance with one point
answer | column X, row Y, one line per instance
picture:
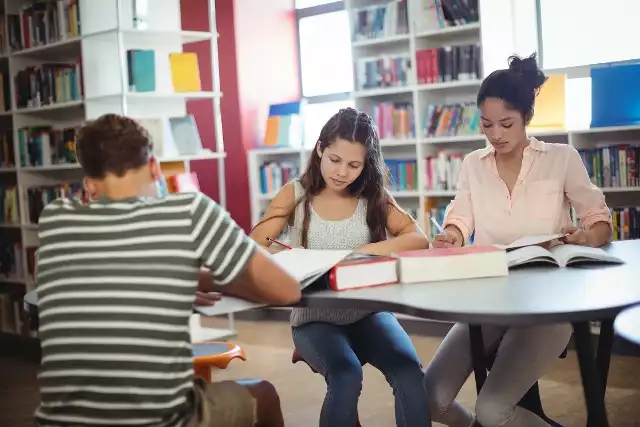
column 117, row 279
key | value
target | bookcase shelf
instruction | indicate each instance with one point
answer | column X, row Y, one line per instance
column 93, row 37
column 425, row 32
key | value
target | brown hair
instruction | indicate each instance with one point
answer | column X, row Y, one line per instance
column 112, row 144
column 357, row 127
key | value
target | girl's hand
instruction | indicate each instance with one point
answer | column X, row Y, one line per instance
column 448, row 239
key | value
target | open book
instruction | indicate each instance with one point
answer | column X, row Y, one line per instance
column 563, row 255
column 530, row 240
column 305, row 265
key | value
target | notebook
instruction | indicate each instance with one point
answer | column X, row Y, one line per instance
column 305, row 265
column 563, row 255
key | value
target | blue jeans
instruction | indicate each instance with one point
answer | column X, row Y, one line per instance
column 338, row 352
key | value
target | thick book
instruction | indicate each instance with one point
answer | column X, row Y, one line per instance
column 563, row 255
column 468, row 262
column 362, row 271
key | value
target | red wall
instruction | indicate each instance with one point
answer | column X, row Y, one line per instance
column 257, row 48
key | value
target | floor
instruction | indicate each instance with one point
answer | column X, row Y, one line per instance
column 268, row 347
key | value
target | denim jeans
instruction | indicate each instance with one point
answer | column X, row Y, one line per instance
column 338, row 352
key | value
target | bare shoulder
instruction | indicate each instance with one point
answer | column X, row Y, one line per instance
column 286, row 196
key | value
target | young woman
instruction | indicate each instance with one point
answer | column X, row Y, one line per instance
column 515, row 187
column 340, row 203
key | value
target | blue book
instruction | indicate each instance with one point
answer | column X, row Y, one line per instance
column 142, row 70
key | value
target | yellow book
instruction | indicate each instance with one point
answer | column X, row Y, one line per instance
column 549, row 113
column 185, row 74
column 272, row 131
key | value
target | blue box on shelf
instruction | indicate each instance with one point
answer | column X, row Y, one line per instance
column 615, row 94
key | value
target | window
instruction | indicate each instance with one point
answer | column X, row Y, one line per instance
column 326, row 64
column 316, row 115
column 580, row 32
column 302, row 4
column 325, row 54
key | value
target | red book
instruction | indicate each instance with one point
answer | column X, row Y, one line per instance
column 361, row 271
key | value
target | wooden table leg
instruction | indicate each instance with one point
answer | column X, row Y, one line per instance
column 591, row 377
column 478, row 356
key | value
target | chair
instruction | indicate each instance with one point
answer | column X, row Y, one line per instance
column 296, row 357
column 531, row 401
column 208, row 352
column 217, row 354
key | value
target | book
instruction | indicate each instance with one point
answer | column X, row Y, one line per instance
column 362, row 271
column 305, row 265
column 530, row 241
column 185, row 72
column 564, row 255
column 467, row 262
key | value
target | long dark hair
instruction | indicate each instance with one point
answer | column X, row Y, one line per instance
column 356, row 127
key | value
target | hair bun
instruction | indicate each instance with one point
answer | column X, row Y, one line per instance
column 528, row 69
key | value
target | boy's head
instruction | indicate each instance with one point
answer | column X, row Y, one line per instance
column 116, row 154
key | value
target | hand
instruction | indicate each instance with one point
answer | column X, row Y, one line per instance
column 575, row 236
column 206, row 298
column 447, row 239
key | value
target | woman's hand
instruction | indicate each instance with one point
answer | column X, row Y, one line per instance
column 450, row 238
column 576, row 236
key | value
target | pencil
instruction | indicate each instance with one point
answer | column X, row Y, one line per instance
column 278, row 243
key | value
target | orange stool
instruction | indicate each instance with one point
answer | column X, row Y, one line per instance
column 208, row 354
column 296, row 357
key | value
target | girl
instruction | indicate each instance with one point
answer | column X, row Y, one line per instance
column 340, row 203
column 515, row 187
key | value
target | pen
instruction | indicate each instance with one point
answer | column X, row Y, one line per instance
column 438, row 226
column 278, row 243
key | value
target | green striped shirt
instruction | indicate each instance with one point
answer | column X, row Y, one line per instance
column 116, row 286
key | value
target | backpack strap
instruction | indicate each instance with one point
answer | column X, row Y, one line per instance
column 298, row 216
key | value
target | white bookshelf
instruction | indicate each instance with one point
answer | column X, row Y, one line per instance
column 496, row 46
column 107, row 31
column 414, row 146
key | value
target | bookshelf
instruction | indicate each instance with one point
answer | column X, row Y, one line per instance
column 412, row 46
column 64, row 62
column 408, row 137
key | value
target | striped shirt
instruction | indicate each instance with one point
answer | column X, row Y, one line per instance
column 116, row 286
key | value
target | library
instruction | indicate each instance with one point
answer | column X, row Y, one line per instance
column 251, row 103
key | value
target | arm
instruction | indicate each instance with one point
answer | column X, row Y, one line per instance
column 406, row 233
column 236, row 266
column 459, row 214
column 588, row 201
column 275, row 218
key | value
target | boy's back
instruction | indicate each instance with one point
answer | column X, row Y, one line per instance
column 116, row 282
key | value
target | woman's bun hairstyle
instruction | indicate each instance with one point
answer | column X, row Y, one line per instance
column 517, row 86
column 528, row 70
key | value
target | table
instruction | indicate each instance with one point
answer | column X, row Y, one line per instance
column 627, row 325
column 528, row 296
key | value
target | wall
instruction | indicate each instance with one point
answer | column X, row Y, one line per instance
column 257, row 48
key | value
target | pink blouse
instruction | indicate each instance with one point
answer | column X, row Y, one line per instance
column 552, row 178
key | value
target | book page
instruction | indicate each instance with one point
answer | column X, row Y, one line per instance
column 567, row 254
column 529, row 254
column 530, row 241
column 304, row 263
